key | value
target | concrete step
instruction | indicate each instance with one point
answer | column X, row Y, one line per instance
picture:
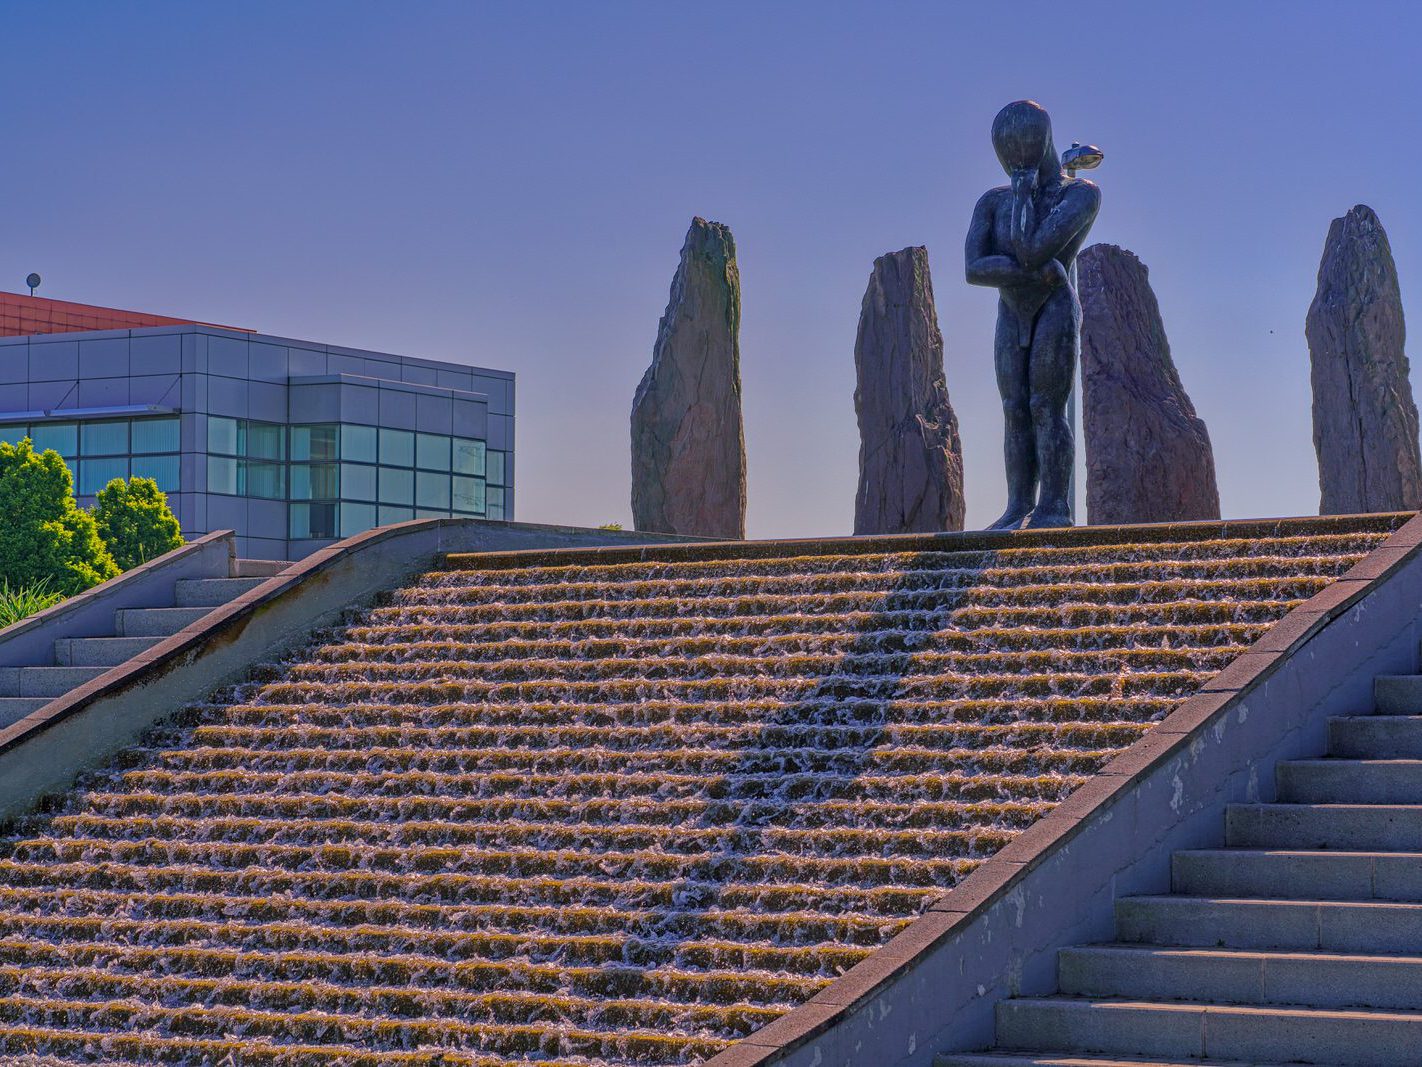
column 1352, row 827
column 211, row 592
column 1232, row 976
column 1376, row 737
column 155, row 622
column 1231, row 1032
column 44, row 681
column 1298, row 875
column 99, row 651
column 13, row 709
column 1390, row 927
column 1350, row 781
column 258, row 568
column 1398, row 694
column 1072, row 1059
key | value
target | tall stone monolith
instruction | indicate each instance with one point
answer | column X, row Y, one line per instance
column 1148, row 455
column 688, row 446
column 1364, row 416
column 910, row 459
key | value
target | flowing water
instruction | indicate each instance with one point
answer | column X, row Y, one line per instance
column 610, row 814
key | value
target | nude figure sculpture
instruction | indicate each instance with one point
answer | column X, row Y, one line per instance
column 1023, row 241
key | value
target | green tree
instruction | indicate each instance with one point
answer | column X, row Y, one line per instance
column 44, row 536
column 135, row 521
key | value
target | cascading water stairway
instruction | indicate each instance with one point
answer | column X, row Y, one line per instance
column 541, row 810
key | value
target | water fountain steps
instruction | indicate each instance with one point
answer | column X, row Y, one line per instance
column 539, row 810
column 1300, row 941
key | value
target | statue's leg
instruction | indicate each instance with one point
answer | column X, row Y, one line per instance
column 1019, row 449
column 1053, row 363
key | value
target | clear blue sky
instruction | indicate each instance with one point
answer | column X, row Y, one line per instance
column 509, row 184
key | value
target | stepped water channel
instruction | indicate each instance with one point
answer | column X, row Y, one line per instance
column 621, row 810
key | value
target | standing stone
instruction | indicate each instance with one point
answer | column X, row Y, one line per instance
column 910, row 460
column 688, row 446
column 1148, row 455
column 1364, row 417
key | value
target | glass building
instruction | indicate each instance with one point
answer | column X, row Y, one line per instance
column 292, row 444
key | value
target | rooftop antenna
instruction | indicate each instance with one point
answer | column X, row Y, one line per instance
column 33, row 281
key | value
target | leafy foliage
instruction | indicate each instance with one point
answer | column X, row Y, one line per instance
column 22, row 601
column 45, row 536
column 135, row 521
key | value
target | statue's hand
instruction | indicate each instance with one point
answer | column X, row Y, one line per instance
column 1053, row 273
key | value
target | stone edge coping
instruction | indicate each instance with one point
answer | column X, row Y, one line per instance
column 1001, row 873
column 192, row 639
column 967, row 541
column 82, row 600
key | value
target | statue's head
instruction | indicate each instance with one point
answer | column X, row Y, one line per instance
column 1022, row 137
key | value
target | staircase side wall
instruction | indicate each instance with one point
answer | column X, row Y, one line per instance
column 30, row 642
column 934, row 987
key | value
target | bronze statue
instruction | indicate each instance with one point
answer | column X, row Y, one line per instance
column 1023, row 241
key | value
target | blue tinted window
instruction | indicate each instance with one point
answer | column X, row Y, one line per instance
column 397, row 448
column 468, row 456
column 103, row 439
column 396, row 486
column 94, row 474
column 162, row 469
column 221, row 475
column 358, row 443
column 155, row 435
column 222, row 435
column 63, row 437
column 357, row 482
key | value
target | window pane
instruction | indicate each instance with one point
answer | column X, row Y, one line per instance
column 162, row 469
column 155, row 435
column 63, row 437
column 390, row 514
column 496, row 468
column 432, row 451
column 313, row 442
column 469, row 495
column 468, row 456
column 396, row 486
column 358, row 443
column 222, row 435
column 357, row 483
column 13, row 435
column 432, row 490
column 94, row 474
column 314, row 481
column 103, row 439
column 299, row 520
column 397, row 448
column 323, row 520
column 431, row 513
column 264, row 440
column 265, row 480
column 356, row 518
column 496, row 503
column 221, row 475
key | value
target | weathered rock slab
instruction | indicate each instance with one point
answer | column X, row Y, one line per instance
column 1364, row 414
column 1148, row 455
column 688, row 444
column 910, row 457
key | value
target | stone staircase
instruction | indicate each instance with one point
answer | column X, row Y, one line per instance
column 25, row 689
column 1300, row 941
column 621, row 807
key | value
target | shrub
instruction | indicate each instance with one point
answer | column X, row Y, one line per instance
column 22, row 601
column 135, row 521
column 45, row 536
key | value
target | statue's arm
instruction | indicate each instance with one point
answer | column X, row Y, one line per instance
column 1074, row 213
column 983, row 266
